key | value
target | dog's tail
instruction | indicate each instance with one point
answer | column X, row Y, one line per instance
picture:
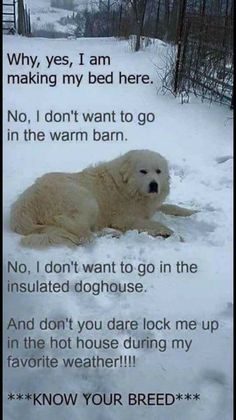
column 45, row 236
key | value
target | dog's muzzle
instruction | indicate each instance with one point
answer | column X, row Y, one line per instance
column 153, row 187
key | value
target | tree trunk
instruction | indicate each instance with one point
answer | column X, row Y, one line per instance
column 21, row 28
column 180, row 29
column 138, row 37
column 120, row 20
column 167, row 17
column 157, row 19
column 139, row 7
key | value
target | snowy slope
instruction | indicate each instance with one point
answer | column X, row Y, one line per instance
column 195, row 138
column 35, row 5
column 47, row 18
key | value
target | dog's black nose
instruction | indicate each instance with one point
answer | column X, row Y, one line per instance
column 153, row 187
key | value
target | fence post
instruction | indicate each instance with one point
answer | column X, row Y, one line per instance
column 14, row 11
column 29, row 21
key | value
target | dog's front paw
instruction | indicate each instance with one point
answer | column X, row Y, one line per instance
column 113, row 233
column 166, row 233
column 162, row 231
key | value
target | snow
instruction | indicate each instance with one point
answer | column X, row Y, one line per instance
column 196, row 138
column 39, row 4
column 47, row 18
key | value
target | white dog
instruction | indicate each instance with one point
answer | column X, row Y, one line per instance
column 123, row 194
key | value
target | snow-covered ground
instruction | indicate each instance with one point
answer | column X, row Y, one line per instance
column 47, row 18
column 196, row 138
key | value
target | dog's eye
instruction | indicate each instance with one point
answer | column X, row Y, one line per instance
column 143, row 171
column 158, row 171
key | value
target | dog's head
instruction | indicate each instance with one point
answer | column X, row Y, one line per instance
column 145, row 173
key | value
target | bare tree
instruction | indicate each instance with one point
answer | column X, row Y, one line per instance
column 157, row 19
column 180, row 29
column 106, row 6
column 63, row 4
column 139, row 9
column 166, row 17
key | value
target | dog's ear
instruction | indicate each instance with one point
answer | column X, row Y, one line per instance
column 125, row 170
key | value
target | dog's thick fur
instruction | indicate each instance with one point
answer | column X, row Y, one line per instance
column 66, row 208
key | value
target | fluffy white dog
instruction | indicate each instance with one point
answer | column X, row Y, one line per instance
column 123, row 194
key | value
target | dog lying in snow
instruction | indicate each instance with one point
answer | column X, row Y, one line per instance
column 123, row 194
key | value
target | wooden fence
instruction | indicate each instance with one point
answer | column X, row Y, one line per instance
column 9, row 16
column 16, row 17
